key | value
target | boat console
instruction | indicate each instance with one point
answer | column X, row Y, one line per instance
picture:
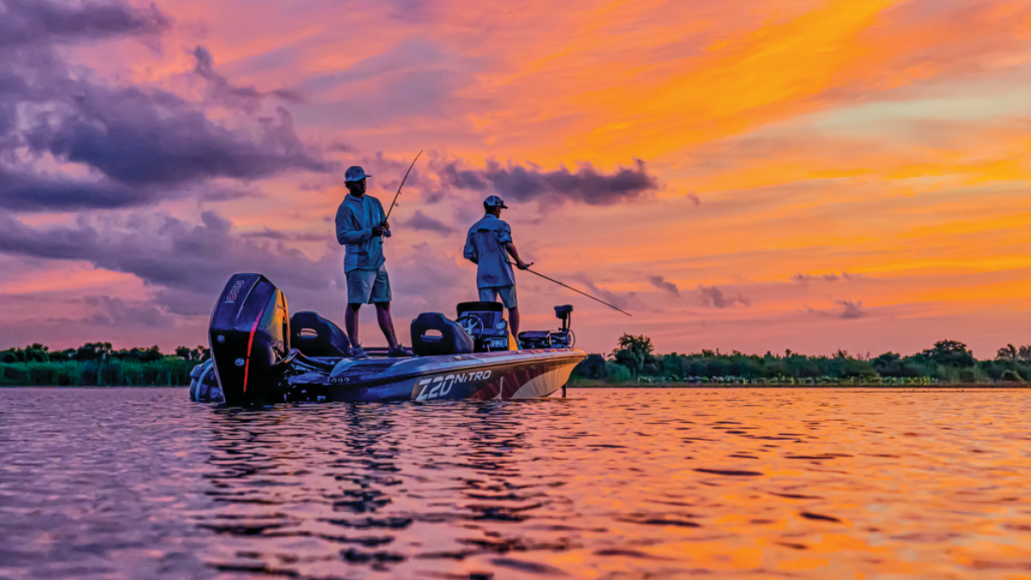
column 484, row 322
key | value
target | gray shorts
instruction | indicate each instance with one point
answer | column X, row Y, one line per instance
column 507, row 293
column 368, row 286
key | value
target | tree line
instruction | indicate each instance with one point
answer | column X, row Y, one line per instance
column 635, row 359
column 98, row 364
column 948, row 361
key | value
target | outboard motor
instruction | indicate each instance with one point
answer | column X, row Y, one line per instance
column 249, row 336
column 485, row 323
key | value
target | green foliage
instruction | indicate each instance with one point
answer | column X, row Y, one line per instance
column 1011, row 376
column 95, row 365
column 592, row 367
column 948, row 361
column 634, row 353
column 950, row 353
column 616, row 373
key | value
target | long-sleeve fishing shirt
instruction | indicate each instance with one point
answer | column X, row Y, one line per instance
column 485, row 247
column 355, row 219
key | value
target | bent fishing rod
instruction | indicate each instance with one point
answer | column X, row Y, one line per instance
column 527, row 268
column 398, row 194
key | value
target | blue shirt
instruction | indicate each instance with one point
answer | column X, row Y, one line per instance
column 355, row 220
column 484, row 246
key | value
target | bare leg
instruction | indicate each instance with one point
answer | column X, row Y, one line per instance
column 513, row 321
column 351, row 324
column 386, row 323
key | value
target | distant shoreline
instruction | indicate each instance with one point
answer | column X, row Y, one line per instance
column 582, row 384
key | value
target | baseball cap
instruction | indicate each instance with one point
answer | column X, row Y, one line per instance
column 355, row 173
column 494, row 201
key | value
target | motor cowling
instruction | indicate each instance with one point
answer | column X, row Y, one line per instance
column 249, row 335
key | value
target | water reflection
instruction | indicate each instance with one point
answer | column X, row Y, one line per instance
column 607, row 484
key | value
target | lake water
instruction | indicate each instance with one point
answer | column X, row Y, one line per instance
column 610, row 483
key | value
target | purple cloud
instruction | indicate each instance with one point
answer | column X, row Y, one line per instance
column 34, row 22
column 715, row 298
column 221, row 90
column 806, row 278
column 852, row 310
column 586, row 185
column 661, row 283
column 141, row 142
column 425, row 223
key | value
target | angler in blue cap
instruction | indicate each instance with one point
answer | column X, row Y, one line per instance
column 486, row 246
column 361, row 227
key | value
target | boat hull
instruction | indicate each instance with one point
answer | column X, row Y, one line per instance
column 482, row 376
column 260, row 355
column 508, row 375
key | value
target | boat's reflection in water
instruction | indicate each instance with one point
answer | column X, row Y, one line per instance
column 305, row 490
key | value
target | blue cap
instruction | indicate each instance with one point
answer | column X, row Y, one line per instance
column 494, row 201
column 355, row 173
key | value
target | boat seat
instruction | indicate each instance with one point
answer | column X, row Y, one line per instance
column 447, row 337
column 315, row 336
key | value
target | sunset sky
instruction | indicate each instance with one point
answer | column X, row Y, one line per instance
column 743, row 175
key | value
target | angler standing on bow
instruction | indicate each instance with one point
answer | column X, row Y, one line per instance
column 486, row 245
column 361, row 226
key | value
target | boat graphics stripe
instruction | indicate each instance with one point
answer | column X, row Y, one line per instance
column 417, row 367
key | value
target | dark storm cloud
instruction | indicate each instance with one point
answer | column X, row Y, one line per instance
column 26, row 22
column 715, row 298
column 141, row 141
column 187, row 264
column 423, row 222
column 157, row 138
column 25, row 192
column 466, row 179
column 586, row 185
column 661, row 283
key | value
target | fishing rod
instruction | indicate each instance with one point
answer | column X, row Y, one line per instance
column 398, row 194
column 527, row 268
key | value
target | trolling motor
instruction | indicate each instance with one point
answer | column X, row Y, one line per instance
column 562, row 338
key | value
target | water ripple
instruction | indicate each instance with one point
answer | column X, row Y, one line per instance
column 608, row 484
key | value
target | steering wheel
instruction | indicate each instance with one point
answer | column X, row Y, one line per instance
column 472, row 324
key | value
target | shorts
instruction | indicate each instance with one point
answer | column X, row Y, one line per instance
column 368, row 286
column 507, row 293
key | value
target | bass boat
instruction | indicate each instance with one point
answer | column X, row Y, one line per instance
column 262, row 355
